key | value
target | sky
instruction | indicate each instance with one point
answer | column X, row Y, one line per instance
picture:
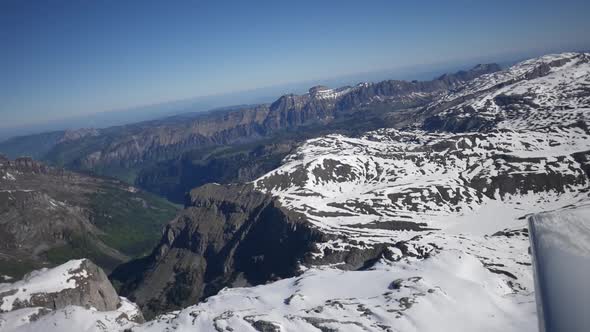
column 71, row 58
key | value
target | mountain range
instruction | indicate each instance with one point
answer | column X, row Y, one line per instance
column 393, row 206
column 156, row 154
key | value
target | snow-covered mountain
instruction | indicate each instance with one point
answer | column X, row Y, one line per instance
column 546, row 91
column 440, row 204
column 451, row 205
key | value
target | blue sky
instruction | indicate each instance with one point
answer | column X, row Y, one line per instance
column 67, row 58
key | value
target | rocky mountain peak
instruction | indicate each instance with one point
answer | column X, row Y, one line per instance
column 549, row 90
column 466, row 75
column 486, row 67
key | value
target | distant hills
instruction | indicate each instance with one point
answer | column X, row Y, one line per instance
column 252, row 96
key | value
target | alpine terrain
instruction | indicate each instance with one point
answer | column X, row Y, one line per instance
column 399, row 206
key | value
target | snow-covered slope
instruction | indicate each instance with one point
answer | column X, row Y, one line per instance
column 450, row 291
column 541, row 92
column 70, row 318
column 418, row 177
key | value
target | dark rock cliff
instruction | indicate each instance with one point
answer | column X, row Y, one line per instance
column 227, row 236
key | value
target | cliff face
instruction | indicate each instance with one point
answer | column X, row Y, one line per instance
column 226, row 236
column 231, row 236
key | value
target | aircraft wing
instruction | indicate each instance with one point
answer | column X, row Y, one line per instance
column 560, row 246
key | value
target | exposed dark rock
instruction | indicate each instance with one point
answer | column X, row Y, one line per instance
column 498, row 271
column 522, row 182
column 454, row 123
column 227, row 235
column 353, row 257
column 396, row 284
column 320, row 323
column 583, row 158
column 513, row 232
column 263, row 326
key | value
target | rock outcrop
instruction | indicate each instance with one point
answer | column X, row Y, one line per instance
column 79, row 283
column 230, row 236
column 75, row 296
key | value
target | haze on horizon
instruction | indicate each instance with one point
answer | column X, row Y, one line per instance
column 73, row 58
